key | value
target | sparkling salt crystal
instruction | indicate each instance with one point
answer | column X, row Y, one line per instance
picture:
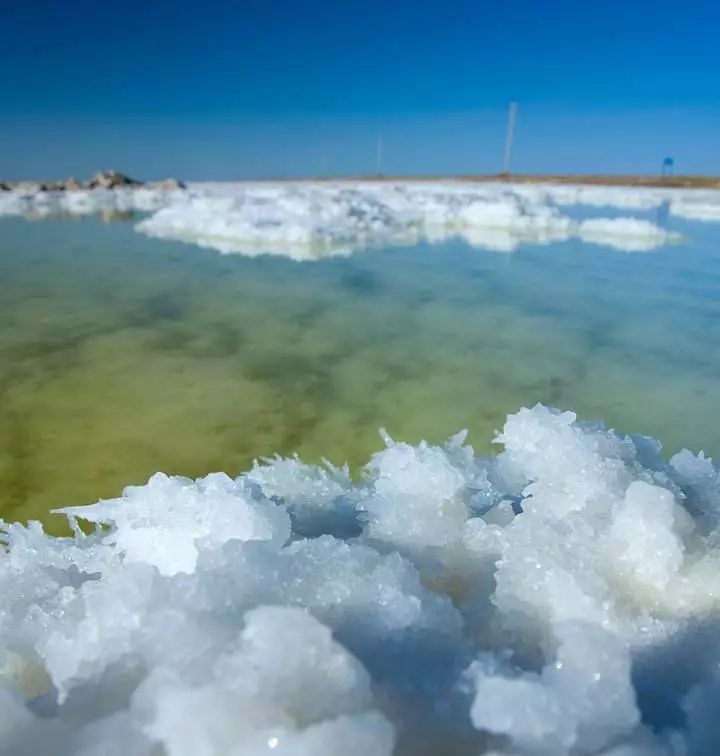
column 357, row 735
column 372, row 596
column 309, row 674
column 318, row 499
column 644, row 540
column 161, row 523
column 295, row 610
column 584, row 698
column 271, row 690
column 591, row 540
column 565, row 468
column 415, row 496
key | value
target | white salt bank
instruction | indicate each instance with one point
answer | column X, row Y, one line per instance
column 307, row 221
column 559, row 598
column 311, row 220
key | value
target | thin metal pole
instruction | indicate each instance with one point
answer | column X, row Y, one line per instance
column 512, row 115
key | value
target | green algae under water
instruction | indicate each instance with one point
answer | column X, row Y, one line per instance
column 121, row 355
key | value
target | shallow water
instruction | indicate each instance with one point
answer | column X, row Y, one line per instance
column 121, row 355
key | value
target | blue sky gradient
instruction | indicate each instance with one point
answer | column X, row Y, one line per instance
column 262, row 88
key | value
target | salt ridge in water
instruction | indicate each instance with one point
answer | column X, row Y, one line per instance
column 310, row 220
column 559, row 598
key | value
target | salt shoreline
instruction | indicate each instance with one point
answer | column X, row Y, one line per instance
column 311, row 220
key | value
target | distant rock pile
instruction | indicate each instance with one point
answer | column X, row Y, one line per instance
column 111, row 180
column 101, row 180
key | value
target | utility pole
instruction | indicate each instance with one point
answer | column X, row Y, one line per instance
column 379, row 156
column 512, row 116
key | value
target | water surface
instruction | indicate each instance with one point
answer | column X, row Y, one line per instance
column 121, row 355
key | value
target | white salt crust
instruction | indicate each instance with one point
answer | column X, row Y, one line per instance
column 561, row 597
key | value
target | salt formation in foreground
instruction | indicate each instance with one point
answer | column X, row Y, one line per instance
column 559, row 598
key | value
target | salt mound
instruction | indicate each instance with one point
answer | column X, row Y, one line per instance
column 559, row 598
column 625, row 234
column 698, row 210
column 308, row 221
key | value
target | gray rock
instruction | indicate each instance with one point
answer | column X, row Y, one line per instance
column 102, row 180
column 53, row 186
column 111, row 180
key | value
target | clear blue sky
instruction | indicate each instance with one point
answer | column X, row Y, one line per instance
column 268, row 88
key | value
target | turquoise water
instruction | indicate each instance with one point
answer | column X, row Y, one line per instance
column 121, row 355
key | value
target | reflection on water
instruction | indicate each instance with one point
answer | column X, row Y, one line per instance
column 121, row 355
column 663, row 214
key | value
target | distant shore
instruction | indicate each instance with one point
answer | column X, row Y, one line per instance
column 688, row 182
column 115, row 179
column 102, row 180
